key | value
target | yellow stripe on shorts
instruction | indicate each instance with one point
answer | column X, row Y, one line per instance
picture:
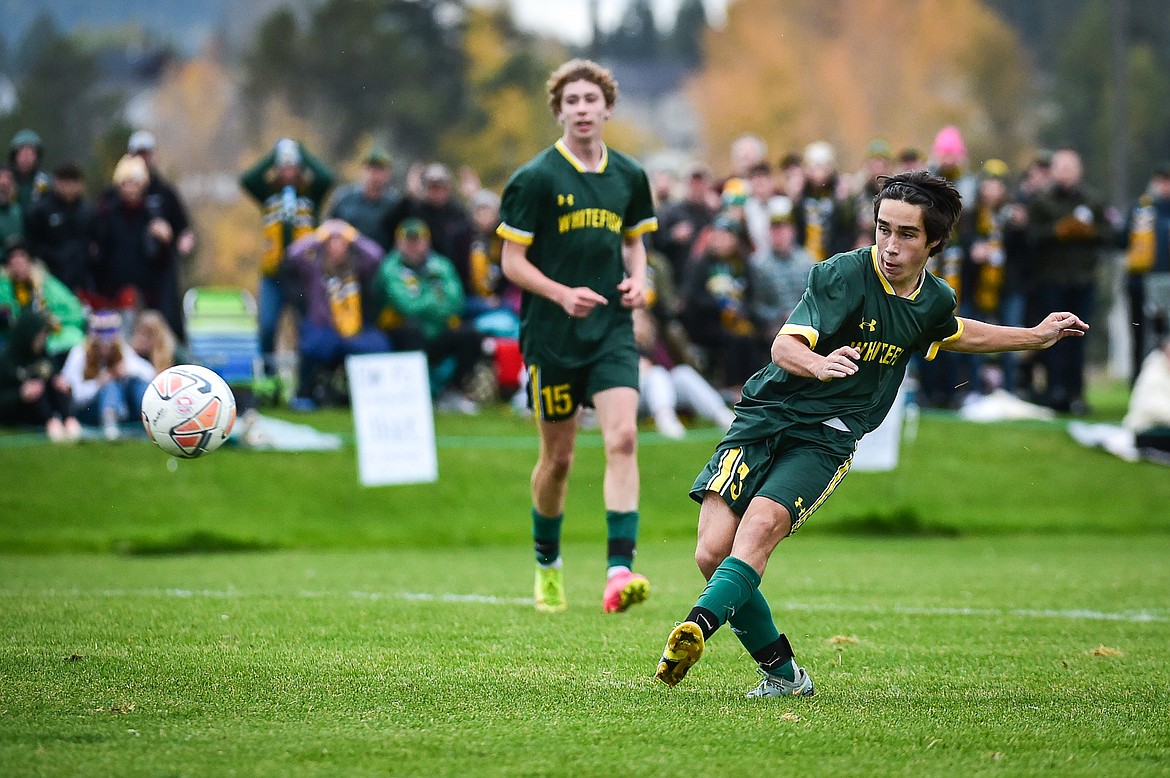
column 727, row 467
column 833, row 482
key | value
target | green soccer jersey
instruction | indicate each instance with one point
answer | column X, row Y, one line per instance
column 849, row 302
column 573, row 223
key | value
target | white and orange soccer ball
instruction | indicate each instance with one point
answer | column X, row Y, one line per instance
column 188, row 411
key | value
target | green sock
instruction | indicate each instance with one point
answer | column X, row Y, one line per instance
column 546, row 537
column 753, row 625
column 622, row 531
column 730, row 586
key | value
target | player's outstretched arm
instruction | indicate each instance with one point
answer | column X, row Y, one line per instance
column 980, row 337
column 792, row 353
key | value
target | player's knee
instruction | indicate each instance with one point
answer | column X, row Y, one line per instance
column 557, row 464
column 773, row 524
column 622, row 441
column 708, row 558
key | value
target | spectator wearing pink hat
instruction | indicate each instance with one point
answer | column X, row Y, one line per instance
column 948, row 158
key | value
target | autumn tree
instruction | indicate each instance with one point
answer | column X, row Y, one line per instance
column 847, row 72
column 60, row 95
column 1087, row 105
column 507, row 120
column 396, row 65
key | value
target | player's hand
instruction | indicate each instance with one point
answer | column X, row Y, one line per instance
column 839, row 364
column 1057, row 326
column 633, row 293
column 579, row 301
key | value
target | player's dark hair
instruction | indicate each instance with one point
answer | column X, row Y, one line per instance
column 940, row 201
column 580, row 70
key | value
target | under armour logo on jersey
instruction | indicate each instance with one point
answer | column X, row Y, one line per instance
column 870, row 325
column 799, row 505
column 565, row 200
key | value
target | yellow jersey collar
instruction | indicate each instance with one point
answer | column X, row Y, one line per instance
column 577, row 163
column 873, row 253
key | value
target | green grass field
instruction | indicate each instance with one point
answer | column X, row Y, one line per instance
column 996, row 606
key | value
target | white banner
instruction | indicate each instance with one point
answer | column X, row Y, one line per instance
column 393, row 418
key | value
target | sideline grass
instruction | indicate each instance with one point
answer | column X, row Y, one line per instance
column 972, row 656
column 977, row 581
column 956, row 477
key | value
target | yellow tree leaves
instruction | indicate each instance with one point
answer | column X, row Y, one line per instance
column 848, row 71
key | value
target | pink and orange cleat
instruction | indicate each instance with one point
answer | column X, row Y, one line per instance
column 623, row 590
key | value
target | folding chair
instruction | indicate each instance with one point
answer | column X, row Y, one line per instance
column 222, row 332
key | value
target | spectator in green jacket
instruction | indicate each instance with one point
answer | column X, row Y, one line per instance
column 421, row 299
column 32, row 389
column 25, row 284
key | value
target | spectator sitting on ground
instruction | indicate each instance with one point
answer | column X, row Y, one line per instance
column 421, row 299
column 107, row 378
column 332, row 271
column 32, row 390
column 666, row 386
column 1148, row 415
column 367, row 204
column 25, row 284
column 59, row 228
column 152, row 339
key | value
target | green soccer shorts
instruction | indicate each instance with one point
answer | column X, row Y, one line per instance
column 798, row 468
column 556, row 391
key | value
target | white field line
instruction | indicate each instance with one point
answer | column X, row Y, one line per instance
column 1076, row 614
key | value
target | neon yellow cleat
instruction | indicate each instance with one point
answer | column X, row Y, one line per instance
column 683, row 649
column 550, row 590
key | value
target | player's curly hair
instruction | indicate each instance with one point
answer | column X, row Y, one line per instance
column 580, row 70
column 940, row 201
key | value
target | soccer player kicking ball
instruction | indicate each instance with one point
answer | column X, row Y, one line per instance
column 836, row 367
column 572, row 219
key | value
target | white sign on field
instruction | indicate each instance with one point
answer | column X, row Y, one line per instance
column 392, row 418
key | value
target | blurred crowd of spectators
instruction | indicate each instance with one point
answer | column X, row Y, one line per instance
column 91, row 299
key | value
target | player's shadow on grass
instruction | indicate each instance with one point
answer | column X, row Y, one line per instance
column 902, row 522
column 198, row 542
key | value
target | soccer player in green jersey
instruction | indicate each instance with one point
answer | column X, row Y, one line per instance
column 573, row 219
column 836, row 367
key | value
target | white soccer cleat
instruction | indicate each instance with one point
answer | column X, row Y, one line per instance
column 778, row 686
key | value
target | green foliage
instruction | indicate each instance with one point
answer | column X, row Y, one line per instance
column 685, row 41
column 62, row 98
column 1088, row 102
column 38, row 37
column 636, row 36
column 359, row 65
column 507, row 120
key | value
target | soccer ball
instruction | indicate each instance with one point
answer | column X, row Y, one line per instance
column 188, row 411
